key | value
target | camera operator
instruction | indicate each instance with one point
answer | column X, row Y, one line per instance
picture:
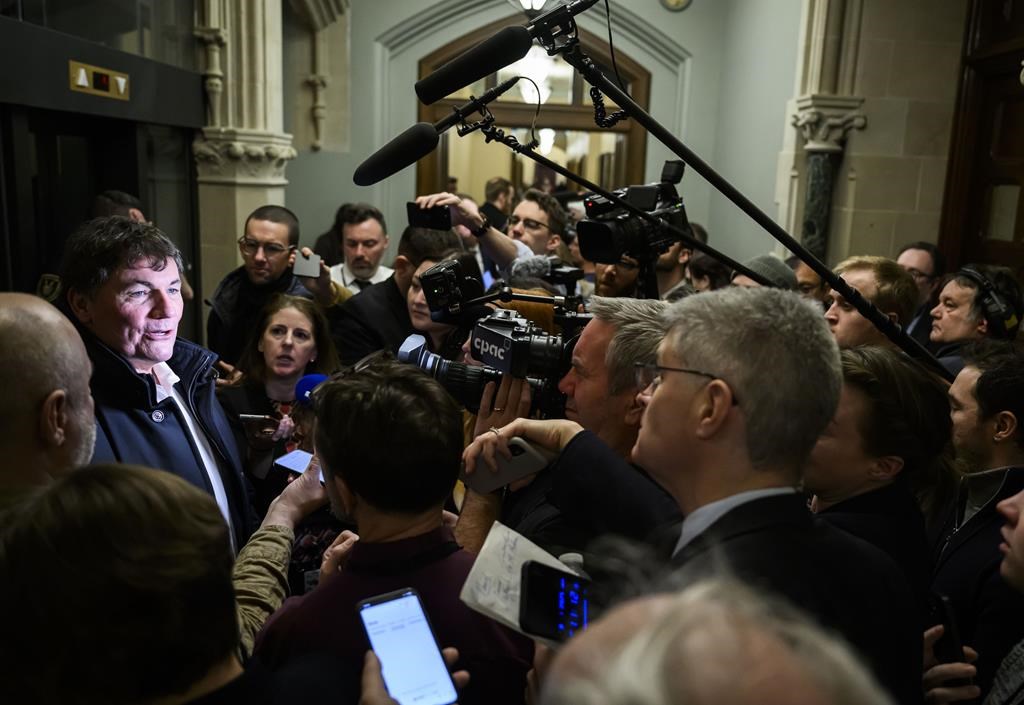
column 568, row 505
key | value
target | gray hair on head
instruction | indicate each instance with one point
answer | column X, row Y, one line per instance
column 639, row 328
column 719, row 641
column 776, row 353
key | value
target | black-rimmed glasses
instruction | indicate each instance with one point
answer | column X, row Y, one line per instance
column 270, row 249
column 530, row 223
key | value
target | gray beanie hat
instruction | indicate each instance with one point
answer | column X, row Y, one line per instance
column 774, row 270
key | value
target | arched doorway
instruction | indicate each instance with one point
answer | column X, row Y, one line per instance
column 611, row 157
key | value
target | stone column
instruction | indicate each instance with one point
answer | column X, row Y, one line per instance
column 242, row 152
column 823, row 123
column 823, row 113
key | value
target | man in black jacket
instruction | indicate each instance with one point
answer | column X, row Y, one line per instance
column 379, row 317
column 977, row 302
column 268, row 243
column 987, row 406
column 154, row 393
column 746, row 379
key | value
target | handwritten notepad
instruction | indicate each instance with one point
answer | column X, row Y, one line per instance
column 492, row 587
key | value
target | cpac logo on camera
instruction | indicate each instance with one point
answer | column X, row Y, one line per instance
column 485, row 347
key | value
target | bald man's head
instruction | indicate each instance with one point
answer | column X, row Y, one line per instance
column 714, row 643
column 44, row 374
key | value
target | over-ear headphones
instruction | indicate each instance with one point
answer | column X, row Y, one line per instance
column 1002, row 319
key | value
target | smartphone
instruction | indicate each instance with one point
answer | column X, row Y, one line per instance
column 259, row 427
column 553, row 604
column 949, row 648
column 436, row 218
column 527, row 459
column 401, row 637
column 298, row 461
column 306, row 266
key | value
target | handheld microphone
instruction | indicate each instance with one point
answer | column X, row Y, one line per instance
column 305, row 386
column 505, row 47
column 419, row 140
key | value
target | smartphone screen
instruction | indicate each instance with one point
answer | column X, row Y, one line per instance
column 413, row 668
column 553, row 604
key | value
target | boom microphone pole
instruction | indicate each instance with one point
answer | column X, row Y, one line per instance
column 573, row 54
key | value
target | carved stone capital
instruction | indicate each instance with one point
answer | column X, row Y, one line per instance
column 211, row 35
column 227, row 156
column 317, row 80
column 825, row 120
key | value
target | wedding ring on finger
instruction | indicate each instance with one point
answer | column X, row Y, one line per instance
column 495, row 431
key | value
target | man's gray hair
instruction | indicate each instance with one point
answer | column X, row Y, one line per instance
column 719, row 641
column 639, row 328
column 776, row 353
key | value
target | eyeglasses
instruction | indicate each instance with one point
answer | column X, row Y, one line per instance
column 529, row 223
column 648, row 375
column 270, row 249
column 918, row 275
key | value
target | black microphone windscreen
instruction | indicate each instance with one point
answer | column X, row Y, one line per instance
column 505, row 47
column 413, row 144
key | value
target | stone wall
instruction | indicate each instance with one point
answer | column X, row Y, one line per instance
column 891, row 181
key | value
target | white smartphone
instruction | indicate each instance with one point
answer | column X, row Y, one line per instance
column 527, row 459
column 414, row 670
column 306, row 266
column 297, row 461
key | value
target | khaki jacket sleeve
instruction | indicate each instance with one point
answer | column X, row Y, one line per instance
column 261, row 580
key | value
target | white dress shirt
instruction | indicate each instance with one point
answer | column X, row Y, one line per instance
column 345, row 277
column 166, row 386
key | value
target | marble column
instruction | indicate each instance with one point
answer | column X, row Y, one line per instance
column 824, row 122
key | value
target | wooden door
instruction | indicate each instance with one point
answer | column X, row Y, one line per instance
column 983, row 214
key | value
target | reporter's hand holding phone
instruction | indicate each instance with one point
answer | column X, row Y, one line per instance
column 320, row 284
column 464, row 212
column 297, row 500
column 374, row 692
column 550, row 434
column 937, row 675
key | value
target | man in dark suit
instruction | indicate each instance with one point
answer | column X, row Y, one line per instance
column 714, row 436
column 987, row 406
column 379, row 317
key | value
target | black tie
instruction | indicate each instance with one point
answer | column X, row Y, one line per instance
column 362, row 283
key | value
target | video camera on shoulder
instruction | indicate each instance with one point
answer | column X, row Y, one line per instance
column 609, row 232
column 503, row 340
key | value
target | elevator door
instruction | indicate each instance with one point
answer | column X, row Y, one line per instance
column 54, row 163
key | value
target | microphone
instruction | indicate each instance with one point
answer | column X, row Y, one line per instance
column 505, row 47
column 419, row 140
column 534, row 267
column 305, row 386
